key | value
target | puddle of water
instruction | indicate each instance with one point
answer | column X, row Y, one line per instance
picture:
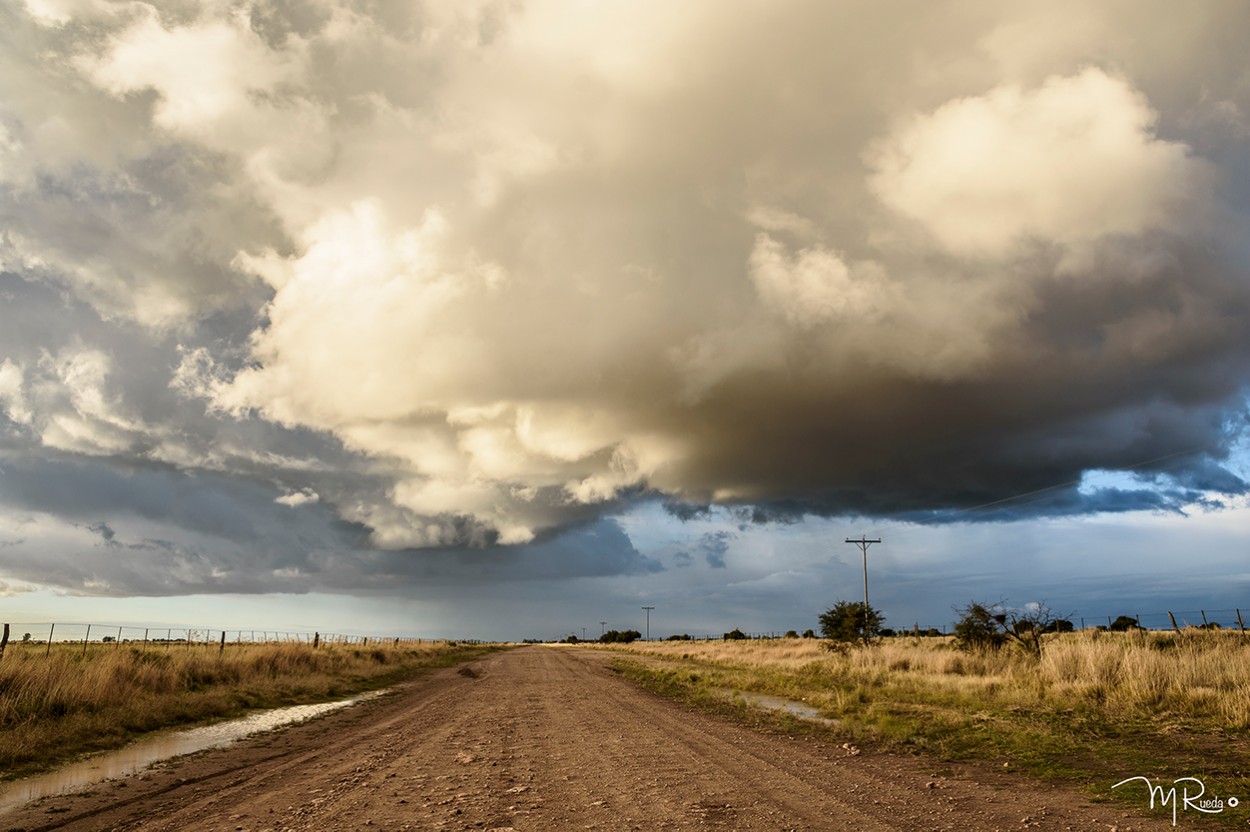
column 140, row 755
column 777, row 703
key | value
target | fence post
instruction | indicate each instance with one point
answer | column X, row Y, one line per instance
column 316, row 640
column 1205, row 625
column 1241, row 623
column 4, row 640
column 86, row 636
column 51, row 630
column 119, row 636
column 1173, row 620
column 222, row 648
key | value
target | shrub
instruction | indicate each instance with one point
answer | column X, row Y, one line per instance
column 989, row 627
column 847, row 621
column 1124, row 623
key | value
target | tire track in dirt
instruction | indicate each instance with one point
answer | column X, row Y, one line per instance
column 546, row 738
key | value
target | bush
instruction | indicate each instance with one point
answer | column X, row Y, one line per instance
column 847, row 622
column 1124, row 623
column 619, row 636
column 979, row 628
column 735, row 635
column 989, row 627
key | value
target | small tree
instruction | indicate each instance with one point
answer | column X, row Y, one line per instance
column 989, row 627
column 1124, row 623
column 847, row 622
column 735, row 635
column 619, row 636
column 979, row 628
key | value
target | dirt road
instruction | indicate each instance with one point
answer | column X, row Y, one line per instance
column 546, row 738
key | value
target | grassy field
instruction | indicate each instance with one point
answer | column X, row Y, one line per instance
column 1095, row 708
column 59, row 706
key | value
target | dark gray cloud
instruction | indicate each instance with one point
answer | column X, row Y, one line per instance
column 714, row 545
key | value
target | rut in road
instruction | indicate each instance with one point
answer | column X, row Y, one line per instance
column 543, row 738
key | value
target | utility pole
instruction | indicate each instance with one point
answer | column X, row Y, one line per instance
column 863, row 543
column 583, row 633
column 648, row 609
column 603, row 627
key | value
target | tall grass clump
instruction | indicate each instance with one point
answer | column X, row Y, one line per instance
column 58, row 703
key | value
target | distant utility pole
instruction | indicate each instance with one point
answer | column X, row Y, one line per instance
column 603, row 627
column 583, row 633
column 863, row 543
column 648, row 609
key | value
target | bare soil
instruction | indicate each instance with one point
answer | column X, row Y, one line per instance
column 544, row 738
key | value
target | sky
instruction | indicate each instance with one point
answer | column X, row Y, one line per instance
column 507, row 319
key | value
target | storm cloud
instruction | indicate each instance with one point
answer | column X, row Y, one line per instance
column 453, row 277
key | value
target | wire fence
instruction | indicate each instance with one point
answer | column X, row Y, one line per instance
column 95, row 635
column 1231, row 618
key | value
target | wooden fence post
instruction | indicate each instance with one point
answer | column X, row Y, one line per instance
column 1241, row 623
column 222, row 648
column 4, row 640
column 51, row 630
column 316, row 640
column 1173, row 619
column 1205, row 625
column 86, row 636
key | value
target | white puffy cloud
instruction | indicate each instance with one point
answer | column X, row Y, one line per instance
column 12, row 395
column 298, row 498
column 815, row 286
column 1069, row 162
column 76, row 410
column 204, row 73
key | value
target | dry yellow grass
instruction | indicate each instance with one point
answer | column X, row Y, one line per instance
column 1202, row 677
column 1093, row 709
column 71, row 701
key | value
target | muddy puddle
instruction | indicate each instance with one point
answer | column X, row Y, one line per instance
column 778, row 703
column 162, row 746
